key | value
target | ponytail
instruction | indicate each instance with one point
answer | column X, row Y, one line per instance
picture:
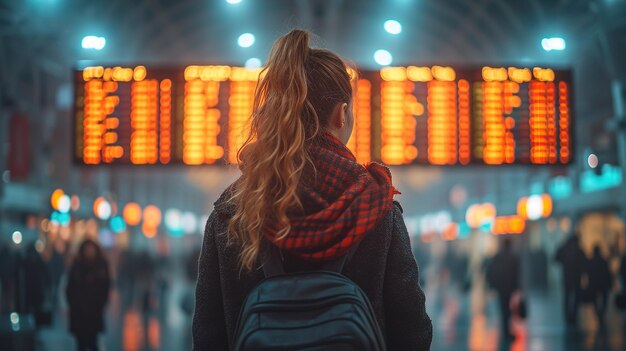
column 290, row 107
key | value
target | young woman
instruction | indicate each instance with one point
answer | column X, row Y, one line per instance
column 302, row 190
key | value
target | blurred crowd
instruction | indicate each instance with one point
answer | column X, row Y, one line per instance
column 71, row 285
column 79, row 285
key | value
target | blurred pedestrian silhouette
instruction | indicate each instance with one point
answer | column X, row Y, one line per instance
column 87, row 293
column 8, row 279
column 620, row 299
column 54, row 255
column 573, row 259
column 36, row 282
column 622, row 272
column 599, row 282
column 503, row 275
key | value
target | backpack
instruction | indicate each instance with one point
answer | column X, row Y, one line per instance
column 310, row 310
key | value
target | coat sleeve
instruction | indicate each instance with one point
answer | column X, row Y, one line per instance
column 408, row 326
column 209, row 325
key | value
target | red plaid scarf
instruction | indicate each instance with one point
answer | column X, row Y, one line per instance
column 345, row 201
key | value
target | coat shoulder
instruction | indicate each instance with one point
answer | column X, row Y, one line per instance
column 397, row 204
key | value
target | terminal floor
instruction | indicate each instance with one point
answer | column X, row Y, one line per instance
column 460, row 321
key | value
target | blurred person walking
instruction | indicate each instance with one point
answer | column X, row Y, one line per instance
column 600, row 279
column 573, row 259
column 9, row 279
column 503, row 274
column 620, row 299
column 54, row 256
column 87, row 293
column 622, row 277
column 304, row 202
column 37, row 282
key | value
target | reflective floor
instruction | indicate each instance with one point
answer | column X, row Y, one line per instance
column 461, row 321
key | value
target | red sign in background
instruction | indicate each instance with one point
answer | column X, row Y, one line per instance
column 19, row 147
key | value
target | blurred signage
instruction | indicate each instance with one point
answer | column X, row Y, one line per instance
column 560, row 187
column 19, row 147
column 436, row 115
column 478, row 215
column 508, row 225
column 610, row 177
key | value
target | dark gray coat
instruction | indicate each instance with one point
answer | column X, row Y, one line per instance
column 383, row 266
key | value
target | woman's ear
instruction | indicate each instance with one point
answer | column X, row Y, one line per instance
column 338, row 118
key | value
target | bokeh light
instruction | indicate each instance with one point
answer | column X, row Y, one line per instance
column 17, row 237
column 132, row 213
column 75, row 202
column 64, row 204
column 592, row 160
column 173, row 221
column 549, row 44
column 190, row 222
column 253, row 63
column 246, row 40
column 117, row 224
column 55, row 197
column 151, row 216
column 383, row 57
column 393, row 27
column 102, row 208
column 93, row 42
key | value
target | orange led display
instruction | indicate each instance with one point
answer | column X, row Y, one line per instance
column 538, row 122
column 165, row 111
column 519, row 75
column 478, row 123
column 360, row 139
column 93, row 128
column 442, row 123
column 419, row 74
column 399, row 109
column 392, row 122
column 499, row 100
column 435, row 115
column 464, row 122
column 510, row 101
column 564, row 139
column 551, row 120
column 201, row 115
column 543, row 74
column 495, row 131
column 242, row 86
column 143, row 120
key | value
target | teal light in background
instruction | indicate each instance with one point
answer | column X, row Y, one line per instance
column 393, row 27
column 560, row 187
column 64, row 219
column 174, row 222
column 54, row 217
column 117, row 224
column 58, row 218
column 610, row 177
column 486, row 226
column 464, row 230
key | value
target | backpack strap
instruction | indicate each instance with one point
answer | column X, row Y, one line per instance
column 273, row 264
column 338, row 264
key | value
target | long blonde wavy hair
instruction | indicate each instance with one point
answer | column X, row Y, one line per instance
column 299, row 88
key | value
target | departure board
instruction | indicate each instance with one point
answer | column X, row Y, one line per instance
column 431, row 115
